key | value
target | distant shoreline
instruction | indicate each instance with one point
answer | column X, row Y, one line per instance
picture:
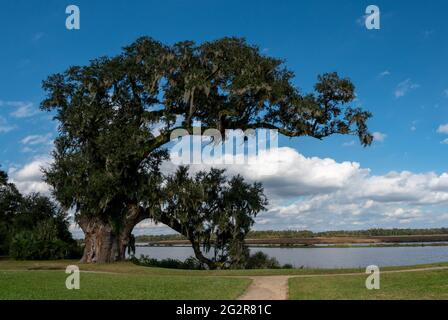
column 325, row 242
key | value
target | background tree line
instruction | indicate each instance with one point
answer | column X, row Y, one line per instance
column 270, row 234
column 32, row 226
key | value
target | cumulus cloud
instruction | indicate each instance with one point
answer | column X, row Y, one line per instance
column 314, row 193
column 321, row 193
column 29, row 178
column 405, row 87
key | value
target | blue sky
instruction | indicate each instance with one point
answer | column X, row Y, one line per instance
column 399, row 71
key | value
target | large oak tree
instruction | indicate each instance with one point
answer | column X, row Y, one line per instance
column 107, row 155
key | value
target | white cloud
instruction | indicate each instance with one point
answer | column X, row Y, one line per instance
column 315, row 193
column 404, row 87
column 37, row 139
column 23, row 109
column 321, row 194
column 443, row 128
column 444, row 141
column 29, row 178
column 325, row 199
column 298, row 175
column 385, row 73
column 378, row 136
column 4, row 126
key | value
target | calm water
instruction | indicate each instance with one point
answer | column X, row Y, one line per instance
column 326, row 257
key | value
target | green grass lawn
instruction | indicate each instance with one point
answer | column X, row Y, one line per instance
column 46, row 280
column 51, row 285
column 410, row 285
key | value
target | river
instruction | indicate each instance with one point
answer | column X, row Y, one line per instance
column 327, row 257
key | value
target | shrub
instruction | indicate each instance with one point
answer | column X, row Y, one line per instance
column 260, row 260
column 190, row 263
column 43, row 243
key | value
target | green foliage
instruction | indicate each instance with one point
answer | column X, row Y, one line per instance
column 260, row 260
column 28, row 245
column 47, row 239
column 213, row 213
column 3, row 178
column 190, row 263
column 10, row 203
column 33, row 227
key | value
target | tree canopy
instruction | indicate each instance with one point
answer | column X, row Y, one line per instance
column 107, row 155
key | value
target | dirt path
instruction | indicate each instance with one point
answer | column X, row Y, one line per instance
column 267, row 288
column 276, row 287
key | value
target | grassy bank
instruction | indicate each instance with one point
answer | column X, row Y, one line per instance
column 130, row 268
column 410, row 285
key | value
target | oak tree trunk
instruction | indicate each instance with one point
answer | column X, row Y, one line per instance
column 103, row 244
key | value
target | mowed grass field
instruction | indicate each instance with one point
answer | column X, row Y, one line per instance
column 51, row 285
column 46, row 280
column 393, row 286
column 121, row 281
